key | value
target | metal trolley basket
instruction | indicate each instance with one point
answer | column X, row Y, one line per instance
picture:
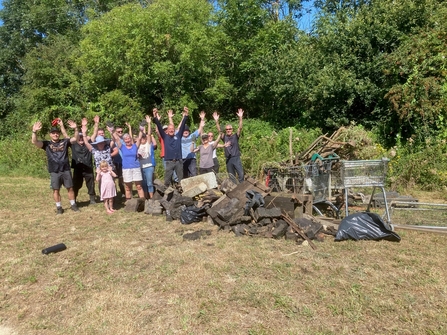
column 313, row 178
column 365, row 173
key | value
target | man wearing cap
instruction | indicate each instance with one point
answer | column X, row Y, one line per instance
column 232, row 150
column 58, row 163
column 81, row 162
column 173, row 146
column 188, row 145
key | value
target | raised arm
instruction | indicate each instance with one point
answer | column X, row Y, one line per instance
column 216, row 119
column 83, row 126
column 61, row 125
column 84, row 132
column 240, row 113
column 95, row 128
column 160, row 130
column 115, row 137
column 171, row 116
column 36, row 127
column 183, row 123
column 130, row 129
column 154, row 142
column 140, row 135
column 202, row 122
column 74, row 126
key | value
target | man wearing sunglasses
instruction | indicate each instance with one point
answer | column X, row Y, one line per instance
column 232, row 150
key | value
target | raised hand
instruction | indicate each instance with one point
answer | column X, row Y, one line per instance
column 202, row 115
column 215, row 116
column 185, row 111
column 96, row 119
column 84, row 122
column 37, row 126
column 170, row 113
column 71, row 124
column 240, row 113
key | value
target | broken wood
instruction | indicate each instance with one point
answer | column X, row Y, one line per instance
column 298, row 230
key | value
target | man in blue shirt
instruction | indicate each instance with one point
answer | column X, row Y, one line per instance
column 173, row 146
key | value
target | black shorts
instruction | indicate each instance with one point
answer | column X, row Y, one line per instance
column 61, row 178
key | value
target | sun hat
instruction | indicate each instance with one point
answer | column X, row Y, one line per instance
column 99, row 139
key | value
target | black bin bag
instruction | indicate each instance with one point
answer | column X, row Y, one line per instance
column 365, row 226
column 192, row 214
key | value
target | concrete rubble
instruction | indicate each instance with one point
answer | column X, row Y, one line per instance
column 235, row 208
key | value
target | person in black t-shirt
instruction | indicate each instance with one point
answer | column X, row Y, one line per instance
column 232, row 150
column 81, row 162
column 58, row 164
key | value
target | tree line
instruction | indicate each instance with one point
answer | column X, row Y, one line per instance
column 378, row 63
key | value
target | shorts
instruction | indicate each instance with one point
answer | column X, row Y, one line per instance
column 61, row 178
column 130, row 175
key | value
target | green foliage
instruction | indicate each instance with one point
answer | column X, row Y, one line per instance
column 19, row 157
column 422, row 165
column 418, row 72
column 159, row 55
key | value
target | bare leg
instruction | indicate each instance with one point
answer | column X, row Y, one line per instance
column 111, row 205
column 71, row 195
column 56, row 196
column 128, row 187
column 140, row 190
column 107, row 205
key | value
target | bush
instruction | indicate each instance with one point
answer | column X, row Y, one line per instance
column 424, row 166
column 19, row 157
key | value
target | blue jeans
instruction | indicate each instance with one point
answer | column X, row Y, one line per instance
column 148, row 175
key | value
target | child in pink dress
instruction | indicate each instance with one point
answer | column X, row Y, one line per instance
column 108, row 190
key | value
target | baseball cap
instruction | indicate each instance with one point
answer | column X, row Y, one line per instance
column 55, row 130
column 186, row 128
column 165, row 127
column 205, row 136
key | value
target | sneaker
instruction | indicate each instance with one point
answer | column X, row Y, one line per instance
column 75, row 208
column 59, row 210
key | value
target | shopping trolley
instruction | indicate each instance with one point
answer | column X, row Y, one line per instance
column 365, row 173
column 313, row 178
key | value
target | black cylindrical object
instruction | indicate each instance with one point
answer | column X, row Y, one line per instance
column 54, row 248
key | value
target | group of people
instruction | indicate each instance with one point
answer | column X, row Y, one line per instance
column 129, row 159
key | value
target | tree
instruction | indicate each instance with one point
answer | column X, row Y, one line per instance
column 417, row 77
column 160, row 54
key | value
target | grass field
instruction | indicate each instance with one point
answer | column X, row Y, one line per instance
column 130, row 273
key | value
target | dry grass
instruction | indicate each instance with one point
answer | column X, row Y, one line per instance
column 129, row 273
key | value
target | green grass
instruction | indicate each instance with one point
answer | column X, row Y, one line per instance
column 130, row 273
